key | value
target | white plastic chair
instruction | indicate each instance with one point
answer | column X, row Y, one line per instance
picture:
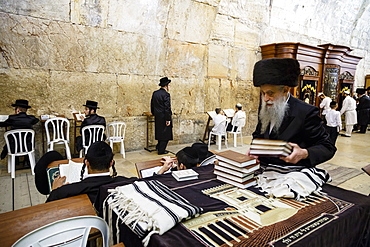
column 238, row 132
column 67, row 232
column 219, row 131
column 16, row 142
column 116, row 134
column 57, row 132
column 91, row 134
column 19, row 147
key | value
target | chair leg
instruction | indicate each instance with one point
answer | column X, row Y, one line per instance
column 68, row 151
column 226, row 142
column 209, row 140
column 123, row 149
column 219, row 140
column 13, row 194
column 235, row 136
column 12, row 165
column 31, row 157
column 241, row 138
column 81, row 152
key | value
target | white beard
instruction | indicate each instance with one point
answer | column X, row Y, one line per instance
column 274, row 113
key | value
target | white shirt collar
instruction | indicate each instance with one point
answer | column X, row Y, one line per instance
column 97, row 175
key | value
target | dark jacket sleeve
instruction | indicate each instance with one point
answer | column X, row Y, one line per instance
column 167, row 107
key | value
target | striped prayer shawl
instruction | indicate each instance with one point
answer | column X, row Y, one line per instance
column 148, row 207
column 298, row 184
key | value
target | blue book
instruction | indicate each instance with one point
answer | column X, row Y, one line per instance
column 52, row 173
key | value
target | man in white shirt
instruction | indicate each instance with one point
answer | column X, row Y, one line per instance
column 218, row 120
column 324, row 105
column 238, row 119
column 349, row 108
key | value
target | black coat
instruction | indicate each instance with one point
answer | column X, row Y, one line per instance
column 161, row 109
column 20, row 121
column 363, row 109
column 93, row 119
column 89, row 186
column 303, row 126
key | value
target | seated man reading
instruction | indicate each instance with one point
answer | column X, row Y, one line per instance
column 98, row 160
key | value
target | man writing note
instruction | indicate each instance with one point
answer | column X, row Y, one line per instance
column 283, row 117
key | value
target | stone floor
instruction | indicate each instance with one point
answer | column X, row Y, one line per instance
column 345, row 169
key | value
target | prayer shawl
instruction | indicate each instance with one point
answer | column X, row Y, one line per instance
column 294, row 184
column 148, row 207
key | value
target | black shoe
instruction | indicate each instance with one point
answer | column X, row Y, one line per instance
column 165, row 152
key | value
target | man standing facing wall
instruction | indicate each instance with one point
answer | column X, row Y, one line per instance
column 161, row 109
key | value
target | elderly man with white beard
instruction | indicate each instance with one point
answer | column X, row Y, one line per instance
column 284, row 117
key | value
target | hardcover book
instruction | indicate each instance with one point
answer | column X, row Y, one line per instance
column 234, row 170
column 52, row 173
column 235, row 158
column 243, row 185
column 233, row 177
column 184, row 175
column 270, row 148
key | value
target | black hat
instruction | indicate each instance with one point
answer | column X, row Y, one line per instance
column 202, row 150
column 99, row 149
column 333, row 103
column 360, row 90
column 21, row 103
column 91, row 104
column 164, row 81
column 191, row 152
column 276, row 71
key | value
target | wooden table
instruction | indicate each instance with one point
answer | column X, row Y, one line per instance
column 15, row 224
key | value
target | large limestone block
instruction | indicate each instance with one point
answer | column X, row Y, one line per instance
column 218, row 61
column 145, row 17
column 47, row 9
column 89, row 12
column 190, row 127
column 248, row 10
column 185, row 59
column 242, row 62
column 70, row 90
column 134, row 93
column 223, row 30
column 24, row 84
column 190, row 21
column 246, row 36
column 187, row 96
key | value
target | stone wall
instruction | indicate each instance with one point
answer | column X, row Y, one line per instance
column 58, row 54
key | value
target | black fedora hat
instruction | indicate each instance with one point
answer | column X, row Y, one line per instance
column 91, row 104
column 164, row 81
column 21, row 103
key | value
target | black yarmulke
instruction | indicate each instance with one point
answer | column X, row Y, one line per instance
column 99, row 149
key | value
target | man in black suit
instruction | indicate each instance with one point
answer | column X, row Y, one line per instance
column 20, row 120
column 161, row 109
column 91, row 118
column 284, row 117
column 98, row 160
column 363, row 109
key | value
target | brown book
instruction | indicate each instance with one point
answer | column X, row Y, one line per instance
column 235, row 158
column 269, row 153
column 237, row 171
column 233, row 177
column 268, row 142
column 243, row 185
column 366, row 169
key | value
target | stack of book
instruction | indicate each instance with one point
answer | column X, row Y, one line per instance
column 270, row 148
column 236, row 169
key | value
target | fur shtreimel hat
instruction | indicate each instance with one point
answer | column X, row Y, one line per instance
column 276, row 71
column 164, row 81
column 360, row 90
